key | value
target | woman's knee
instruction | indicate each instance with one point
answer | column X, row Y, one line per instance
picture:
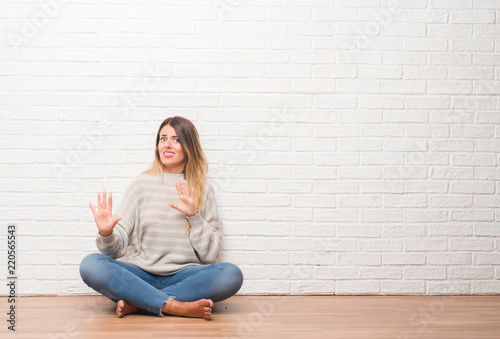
column 89, row 265
column 233, row 273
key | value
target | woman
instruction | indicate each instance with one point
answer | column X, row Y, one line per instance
column 160, row 254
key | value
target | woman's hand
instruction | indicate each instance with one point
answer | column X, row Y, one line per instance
column 186, row 206
column 103, row 217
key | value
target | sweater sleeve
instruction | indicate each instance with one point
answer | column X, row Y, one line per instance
column 115, row 244
column 206, row 230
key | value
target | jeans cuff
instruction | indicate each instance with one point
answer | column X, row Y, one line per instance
column 166, row 301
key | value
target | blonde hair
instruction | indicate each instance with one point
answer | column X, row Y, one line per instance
column 195, row 167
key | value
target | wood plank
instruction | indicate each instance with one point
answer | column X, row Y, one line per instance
column 356, row 317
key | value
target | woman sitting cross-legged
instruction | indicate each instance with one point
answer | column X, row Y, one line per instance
column 160, row 253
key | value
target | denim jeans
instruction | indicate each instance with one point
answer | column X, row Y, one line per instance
column 123, row 281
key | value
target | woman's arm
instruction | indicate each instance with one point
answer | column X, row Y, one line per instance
column 206, row 230
column 114, row 243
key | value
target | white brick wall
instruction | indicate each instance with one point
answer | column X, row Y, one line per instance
column 354, row 145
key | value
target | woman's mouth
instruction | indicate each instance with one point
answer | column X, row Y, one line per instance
column 168, row 154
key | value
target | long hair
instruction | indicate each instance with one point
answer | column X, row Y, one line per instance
column 195, row 168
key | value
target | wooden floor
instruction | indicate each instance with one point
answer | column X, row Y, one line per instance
column 363, row 317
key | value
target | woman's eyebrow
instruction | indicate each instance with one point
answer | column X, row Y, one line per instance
column 164, row 135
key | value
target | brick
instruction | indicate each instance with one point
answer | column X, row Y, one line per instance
column 290, row 273
column 381, row 102
column 456, row 173
column 445, row 58
column 403, row 259
column 326, row 14
column 244, row 244
column 359, row 231
column 468, row 244
column 266, row 287
column 373, row 130
column 380, row 245
column 382, row 158
column 381, row 187
column 402, row 287
column 273, row 71
column 472, row 17
column 450, row 259
column 424, row 272
column 332, row 71
column 356, row 172
column 267, row 229
column 405, row 172
column 470, row 273
column 265, row 258
column 396, row 231
column 426, row 186
column 474, row 45
column 316, row 200
column 313, row 230
column 485, row 287
column 288, row 244
column 356, row 86
column 290, row 186
column 312, row 288
column 357, row 287
column 444, row 288
column 472, row 215
column 334, row 101
column 313, row 86
column 380, row 273
column 381, row 215
column 402, row 87
column 446, row 201
column 408, row 201
column 337, row 273
column 359, row 259
column 486, row 258
column 472, row 187
column 291, row 214
column 332, row 159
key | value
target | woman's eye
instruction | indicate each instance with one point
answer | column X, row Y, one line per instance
column 176, row 140
column 162, row 139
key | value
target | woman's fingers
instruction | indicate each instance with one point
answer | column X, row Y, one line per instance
column 178, row 188
column 186, row 189
column 104, row 202
column 183, row 185
column 110, row 202
column 92, row 208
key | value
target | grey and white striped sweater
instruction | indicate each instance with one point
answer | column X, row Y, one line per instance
column 152, row 235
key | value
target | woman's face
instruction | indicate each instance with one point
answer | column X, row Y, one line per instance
column 170, row 151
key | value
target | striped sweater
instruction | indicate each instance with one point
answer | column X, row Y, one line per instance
column 152, row 235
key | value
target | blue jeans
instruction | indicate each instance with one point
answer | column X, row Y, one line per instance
column 123, row 281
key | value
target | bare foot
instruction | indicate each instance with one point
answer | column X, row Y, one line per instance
column 196, row 309
column 123, row 308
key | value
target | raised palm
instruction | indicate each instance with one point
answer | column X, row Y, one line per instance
column 186, row 197
column 103, row 216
